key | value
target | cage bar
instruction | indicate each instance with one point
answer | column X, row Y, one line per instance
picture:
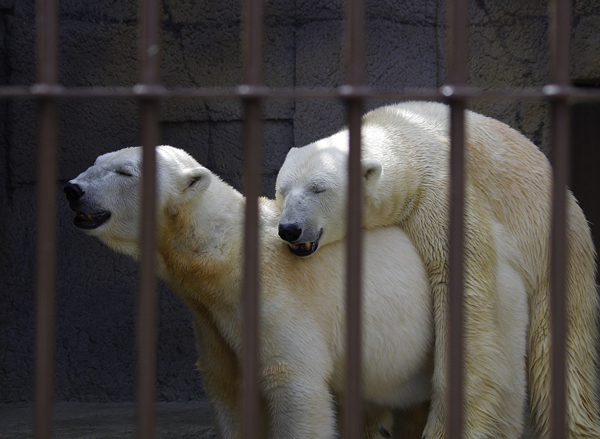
column 252, row 52
column 560, row 41
column 458, row 13
column 355, row 78
column 147, row 317
column 45, row 305
column 455, row 348
column 252, row 92
column 37, row 91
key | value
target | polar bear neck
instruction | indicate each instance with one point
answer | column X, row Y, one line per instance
column 401, row 179
column 201, row 245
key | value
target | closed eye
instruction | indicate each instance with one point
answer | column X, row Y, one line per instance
column 124, row 173
column 317, row 188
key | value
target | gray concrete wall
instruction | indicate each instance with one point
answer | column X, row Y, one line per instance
column 96, row 288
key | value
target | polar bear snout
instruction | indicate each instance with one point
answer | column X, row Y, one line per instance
column 73, row 192
column 290, row 232
column 86, row 217
column 293, row 234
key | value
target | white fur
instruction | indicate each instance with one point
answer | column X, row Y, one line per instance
column 302, row 300
column 508, row 182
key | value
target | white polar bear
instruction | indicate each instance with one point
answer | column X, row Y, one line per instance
column 200, row 228
column 405, row 150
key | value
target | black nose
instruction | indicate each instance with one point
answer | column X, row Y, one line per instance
column 73, row 191
column 289, row 232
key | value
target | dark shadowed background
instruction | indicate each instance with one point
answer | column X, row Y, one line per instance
column 95, row 346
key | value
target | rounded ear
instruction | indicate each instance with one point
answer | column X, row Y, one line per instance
column 195, row 180
column 371, row 170
column 291, row 152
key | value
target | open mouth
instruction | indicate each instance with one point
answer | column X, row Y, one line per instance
column 88, row 222
column 305, row 249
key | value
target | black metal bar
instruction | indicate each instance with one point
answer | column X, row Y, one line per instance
column 252, row 51
column 355, row 79
column 147, row 318
column 47, row 45
column 458, row 13
column 560, row 31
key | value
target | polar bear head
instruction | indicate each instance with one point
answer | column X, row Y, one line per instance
column 311, row 191
column 107, row 196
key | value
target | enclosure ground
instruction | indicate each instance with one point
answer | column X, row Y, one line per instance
column 76, row 420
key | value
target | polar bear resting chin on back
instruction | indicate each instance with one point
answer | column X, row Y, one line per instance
column 508, row 182
column 200, row 231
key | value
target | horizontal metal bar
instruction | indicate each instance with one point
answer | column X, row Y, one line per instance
column 36, row 91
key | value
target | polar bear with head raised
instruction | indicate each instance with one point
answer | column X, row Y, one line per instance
column 405, row 174
column 200, row 230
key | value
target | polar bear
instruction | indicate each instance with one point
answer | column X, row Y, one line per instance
column 405, row 150
column 200, row 231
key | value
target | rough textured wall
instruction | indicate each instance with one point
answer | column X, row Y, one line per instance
column 95, row 359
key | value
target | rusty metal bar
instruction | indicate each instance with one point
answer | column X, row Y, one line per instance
column 37, row 91
column 150, row 92
column 458, row 14
column 47, row 42
column 147, row 318
column 455, row 350
column 355, row 78
column 252, row 52
column 560, row 15
column 352, row 415
column 45, row 305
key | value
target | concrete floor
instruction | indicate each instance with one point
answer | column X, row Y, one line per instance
column 75, row 420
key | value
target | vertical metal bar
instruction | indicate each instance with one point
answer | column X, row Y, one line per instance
column 352, row 419
column 147, row 318
column 355, row 77
column 46, row 221
column 560, row 115
column 455, row 375
column 252, row 46
column 458, row 13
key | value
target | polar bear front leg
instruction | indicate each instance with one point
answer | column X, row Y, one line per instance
column 299, row 402
column 220, row 376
